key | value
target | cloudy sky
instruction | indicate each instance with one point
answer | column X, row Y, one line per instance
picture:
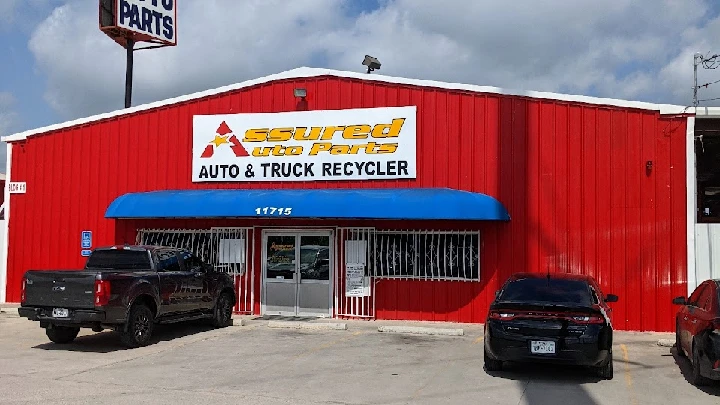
column 56, row 65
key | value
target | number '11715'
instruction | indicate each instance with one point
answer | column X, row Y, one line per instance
column 272, row 211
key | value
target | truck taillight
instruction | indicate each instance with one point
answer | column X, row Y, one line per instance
column 22, row 290
column 102, row 292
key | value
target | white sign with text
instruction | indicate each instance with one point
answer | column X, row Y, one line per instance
column 17, row 187
column 154, row 18
column 355, row 144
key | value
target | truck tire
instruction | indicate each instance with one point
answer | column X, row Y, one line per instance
column 222, row 314
column 62, row 334
column 139, row 327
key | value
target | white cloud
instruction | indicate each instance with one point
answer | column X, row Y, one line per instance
column 8, row 121
column 636, row 49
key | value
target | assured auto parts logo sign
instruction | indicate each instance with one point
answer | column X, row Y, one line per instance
column 357, row 144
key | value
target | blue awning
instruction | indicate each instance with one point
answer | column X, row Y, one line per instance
column 403, row 204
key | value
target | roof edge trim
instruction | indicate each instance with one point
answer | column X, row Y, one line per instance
column 308, row 72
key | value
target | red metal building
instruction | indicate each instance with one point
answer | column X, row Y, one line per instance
column 593, row 186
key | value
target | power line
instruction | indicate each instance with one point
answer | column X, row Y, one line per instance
column 708, row 84
column 710, row 62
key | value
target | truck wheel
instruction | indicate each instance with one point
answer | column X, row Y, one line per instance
column 139, row 327
column 222, row 314
column 62, row 334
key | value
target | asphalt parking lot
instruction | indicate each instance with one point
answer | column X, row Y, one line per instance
column 255, row 364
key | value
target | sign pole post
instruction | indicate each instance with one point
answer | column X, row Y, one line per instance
column 129, row 72
column 132, row 22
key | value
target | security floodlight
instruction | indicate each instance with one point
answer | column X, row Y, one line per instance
column 299, row 92
column 371, row 62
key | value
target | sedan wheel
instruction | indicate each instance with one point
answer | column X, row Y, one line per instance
column 697, row 378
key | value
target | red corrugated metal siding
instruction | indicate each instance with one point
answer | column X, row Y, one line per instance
column 572, row 176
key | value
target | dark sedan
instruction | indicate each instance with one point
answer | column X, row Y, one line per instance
column 697, row 331
column 552, row 318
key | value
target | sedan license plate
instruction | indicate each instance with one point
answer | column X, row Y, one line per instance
column 542, row 347
column 60, row 313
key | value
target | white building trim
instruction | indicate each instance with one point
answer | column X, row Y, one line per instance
column 6, row 229
column 306, row 72
column 691, row 176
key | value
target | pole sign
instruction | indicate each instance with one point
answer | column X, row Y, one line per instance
column 152, row 18
column 355, row 144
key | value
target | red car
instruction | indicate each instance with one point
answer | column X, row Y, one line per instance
column 697, row 331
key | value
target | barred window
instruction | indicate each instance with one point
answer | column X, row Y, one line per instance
column 425, row 255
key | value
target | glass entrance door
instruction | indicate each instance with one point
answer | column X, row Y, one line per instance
column 297, row 273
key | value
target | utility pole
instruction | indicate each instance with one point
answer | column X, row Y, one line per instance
column 696, row 60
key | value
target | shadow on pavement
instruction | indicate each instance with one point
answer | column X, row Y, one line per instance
column 550, row 373
column 686, row 370
column 551, row 384
column 109, row 341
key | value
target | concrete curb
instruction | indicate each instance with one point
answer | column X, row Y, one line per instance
column 239, row 321
column 9, row 311
column 666, row 342
column 418, row 330
column 307, row 325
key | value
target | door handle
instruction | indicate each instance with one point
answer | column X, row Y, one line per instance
column 694, row 321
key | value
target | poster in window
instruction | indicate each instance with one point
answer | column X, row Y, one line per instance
column 231, row 251
column 355, row 251
column 355, row 280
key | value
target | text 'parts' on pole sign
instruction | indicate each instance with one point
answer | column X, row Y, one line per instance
column 354, row 144
column 155, row 19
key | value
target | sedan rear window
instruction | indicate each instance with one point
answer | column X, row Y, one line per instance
column 118, row 260
column 544, row 290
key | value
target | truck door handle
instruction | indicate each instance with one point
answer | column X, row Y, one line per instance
column 694, row 321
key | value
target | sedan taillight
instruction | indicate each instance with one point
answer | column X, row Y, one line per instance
column 502, row 316
column 588, row 320
column 102, row 292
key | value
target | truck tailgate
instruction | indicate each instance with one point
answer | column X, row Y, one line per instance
column 61, row 288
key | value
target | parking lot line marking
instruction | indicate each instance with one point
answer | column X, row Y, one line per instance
column 628, row 376
column 478, row 340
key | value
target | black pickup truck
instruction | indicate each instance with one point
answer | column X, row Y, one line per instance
column 127, row 289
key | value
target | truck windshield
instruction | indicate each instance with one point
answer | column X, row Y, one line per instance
column 547, row 291
column 118, row 260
